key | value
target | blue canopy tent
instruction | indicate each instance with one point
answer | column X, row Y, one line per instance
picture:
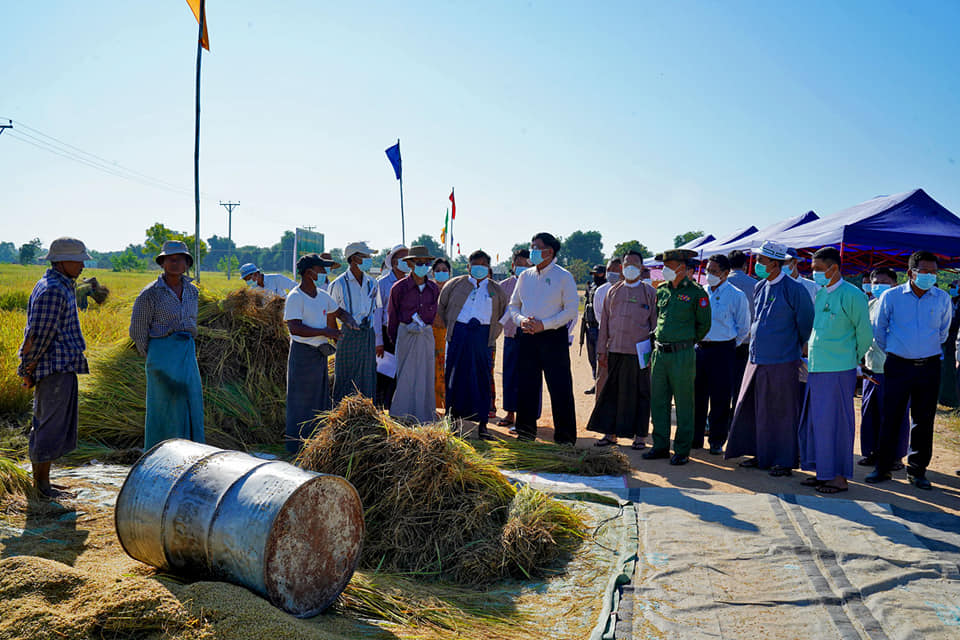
column 883, row 231
column 693, row 244
column 720, row 246
column 772, row 232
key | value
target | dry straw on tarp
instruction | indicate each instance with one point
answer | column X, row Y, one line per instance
column 538, row 456
column 14, row 480
column 242, row 353
column 433, row 506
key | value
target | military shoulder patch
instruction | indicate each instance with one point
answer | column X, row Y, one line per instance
column 704, row 302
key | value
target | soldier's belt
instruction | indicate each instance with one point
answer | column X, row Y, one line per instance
column 672, row 347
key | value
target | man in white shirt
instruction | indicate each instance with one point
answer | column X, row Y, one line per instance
column 716, row 354
column 791, row 269
column 614, row 273
column 273, row 283
column 355, row 367
column 543, row 303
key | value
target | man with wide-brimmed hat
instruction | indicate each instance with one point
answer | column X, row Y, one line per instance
column 50, row 359
column 767, row 414
column 411, row 310
column 273, row 283
column 163, row 327
column 355, row 367
column 683, row 319
column 394, row 269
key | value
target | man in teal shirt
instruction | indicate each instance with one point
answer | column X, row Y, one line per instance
column 840, row 338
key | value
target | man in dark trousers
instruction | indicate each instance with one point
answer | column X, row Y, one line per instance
column 590, row 323
column 543, row 303
column 912, row 322
column 741, row 280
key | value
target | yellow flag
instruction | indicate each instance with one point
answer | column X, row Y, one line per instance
column 195, row 7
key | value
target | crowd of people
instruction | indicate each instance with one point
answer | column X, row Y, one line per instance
column 763, row 368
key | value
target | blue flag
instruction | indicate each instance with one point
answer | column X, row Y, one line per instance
column 393, row 153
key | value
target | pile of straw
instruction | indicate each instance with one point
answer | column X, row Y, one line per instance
column 242, row 351
column 538, row 456
column 434, row 507
column 14, row 480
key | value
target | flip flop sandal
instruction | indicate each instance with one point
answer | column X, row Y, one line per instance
column 603, row 442
column 829, row 489
column 779, row 472
column 503, row 422
column 750, row 463
column 638, row 446
column 812, row 482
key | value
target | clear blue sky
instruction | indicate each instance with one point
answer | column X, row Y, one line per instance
column 638, row 119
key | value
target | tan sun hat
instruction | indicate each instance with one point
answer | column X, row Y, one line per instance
column 67, row 250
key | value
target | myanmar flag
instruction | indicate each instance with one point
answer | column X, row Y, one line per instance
column 446, row 223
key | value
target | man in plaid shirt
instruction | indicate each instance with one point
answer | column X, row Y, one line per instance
column 50, row 359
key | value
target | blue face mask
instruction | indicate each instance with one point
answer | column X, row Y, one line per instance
column 479, row 272
column 421, row 270
column 926, row 280
column 251, row 282
column 761, row 271
column 820, row 277
column 536, row 256
column 403, row 266
column 953, row 292
column 867, row 287
column 441, row 276
column 518, row 270
column 366, row 264
column 878, row 289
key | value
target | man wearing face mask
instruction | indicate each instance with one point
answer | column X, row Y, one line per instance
column 355, row 367
column 841, row 336
column 912, row 322
column 866, row 285
column 871, row 406
column 614, row 272
column 274, row 283
column 411, row 309
column 543, row 303
column 741, row 280
column 629, row 318
column 716, row 353
column 511, row 377
column 589, row 323
column 471, row 307
column 791, row 268
column 311, row 316
column 397, row 269
column 765, row 420
column 683, row 319
column 948, row 375
column 441, row 275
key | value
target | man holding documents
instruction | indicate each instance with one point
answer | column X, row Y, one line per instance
column 716, row 354
column 628, row 319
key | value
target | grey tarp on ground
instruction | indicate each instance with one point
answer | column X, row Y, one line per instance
column 718, row 565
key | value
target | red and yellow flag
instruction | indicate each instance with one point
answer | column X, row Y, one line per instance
column 195, row 7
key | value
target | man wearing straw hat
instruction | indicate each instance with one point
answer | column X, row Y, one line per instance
column 355, row 367
column 411, row 310
column 471, row 307
column 395, row 270
column 163, row 327
column 765, row 422
column 50, row 359
column 274, row 283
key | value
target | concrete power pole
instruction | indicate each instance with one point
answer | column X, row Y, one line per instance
column 229, row 206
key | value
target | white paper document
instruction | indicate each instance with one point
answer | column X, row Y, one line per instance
column 643, row 353
column 387, row 365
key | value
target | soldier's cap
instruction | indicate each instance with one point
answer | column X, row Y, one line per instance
column 679, row 255
column 598, row 269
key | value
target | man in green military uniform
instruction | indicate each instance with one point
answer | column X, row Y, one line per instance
column 683, row 319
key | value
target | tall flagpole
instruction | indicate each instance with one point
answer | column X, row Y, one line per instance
column 403, row 230
column 454, row 207
column 196, row 150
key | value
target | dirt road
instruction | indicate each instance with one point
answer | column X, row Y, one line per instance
column 705, row 471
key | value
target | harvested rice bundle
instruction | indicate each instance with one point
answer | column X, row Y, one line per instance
column 14, row 481
column 433, row 505
column 536, row 456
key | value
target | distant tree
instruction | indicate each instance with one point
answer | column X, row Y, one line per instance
column 460, row 266
column 219, row 248
column 432, row 245
column 8, row 252
column 631, row 245
column 580, row 269
column 682, row 239
column 157, row 234
column 583, row 245
column 233, row 263
column 518, row 247
column 30, row 251
column 129, row 260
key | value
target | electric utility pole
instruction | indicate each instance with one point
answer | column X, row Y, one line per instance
column 9, row 125
column 229, row 206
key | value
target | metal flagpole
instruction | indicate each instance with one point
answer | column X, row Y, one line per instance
column 196, row 149
column 403, row 230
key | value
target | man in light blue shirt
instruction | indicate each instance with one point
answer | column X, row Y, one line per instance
column 912, row 324
column 741, row 280
column 716, row 354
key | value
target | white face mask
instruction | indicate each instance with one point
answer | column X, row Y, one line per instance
column 669, row 274
column 613, row 277
column 631, row 272
column 713, row 280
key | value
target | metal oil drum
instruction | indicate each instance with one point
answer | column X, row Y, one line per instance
column 290, row 535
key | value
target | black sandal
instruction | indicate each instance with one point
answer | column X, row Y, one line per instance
column 638, row 445
column 604, row 442
column 812, row 482
column 829, row 489
column 750, row 463
column 778, row 472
